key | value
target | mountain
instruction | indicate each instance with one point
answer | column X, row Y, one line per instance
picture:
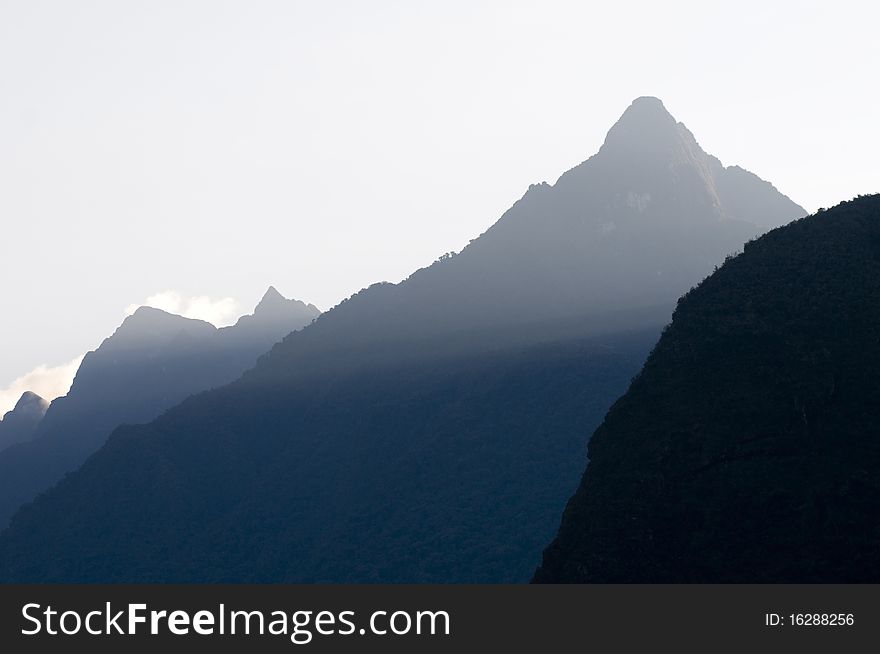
column 628, row 230
column 427, row 431
column 20, row 424
column 269, row 322
column 747, row 449
column 153, row 361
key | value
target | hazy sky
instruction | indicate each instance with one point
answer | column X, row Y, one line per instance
column 200, row 151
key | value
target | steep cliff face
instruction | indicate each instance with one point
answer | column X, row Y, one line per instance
column 747, row 450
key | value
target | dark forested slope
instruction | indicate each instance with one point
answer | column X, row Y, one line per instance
column 748, row 449
column 409, row 473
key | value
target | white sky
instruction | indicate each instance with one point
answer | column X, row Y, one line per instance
column 208, row 149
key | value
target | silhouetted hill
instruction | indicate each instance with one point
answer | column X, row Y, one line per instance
column 747, row 449
column 153, row 361
column 420, row 431
column 20, row 424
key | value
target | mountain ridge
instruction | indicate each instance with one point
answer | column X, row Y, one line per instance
column 503, row 257
column 420, row 431
column 151, row 362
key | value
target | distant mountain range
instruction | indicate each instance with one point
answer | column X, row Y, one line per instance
column 152, row 362
column 746, row 450
column 428, row 431
column 19, row 425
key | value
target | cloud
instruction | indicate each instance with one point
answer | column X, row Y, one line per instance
column 46, row 382
column 219, row 312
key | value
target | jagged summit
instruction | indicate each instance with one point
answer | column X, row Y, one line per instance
column 273, row 302
column 647, row 135
column 270, row 298
column 274, row 307
column 629, row 229
column 32, row 403
column 20, row 424
column 646, row 126
column 652, row 168
column 645, row 114
column 152, row 361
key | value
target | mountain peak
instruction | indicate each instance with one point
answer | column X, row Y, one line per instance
column 30, row 408
column 276, row 314
column 19, row 425
column 274, row 304
column 30, row 400
column 271, row 298
column 646, row 112
column 645, row 125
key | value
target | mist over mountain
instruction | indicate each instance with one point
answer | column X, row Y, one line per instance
column 424, row 431
column 628, row 230
column 746, row 450
column 20, row 424
column 153, row 361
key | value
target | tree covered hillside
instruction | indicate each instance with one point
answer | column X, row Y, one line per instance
column 748, row 449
